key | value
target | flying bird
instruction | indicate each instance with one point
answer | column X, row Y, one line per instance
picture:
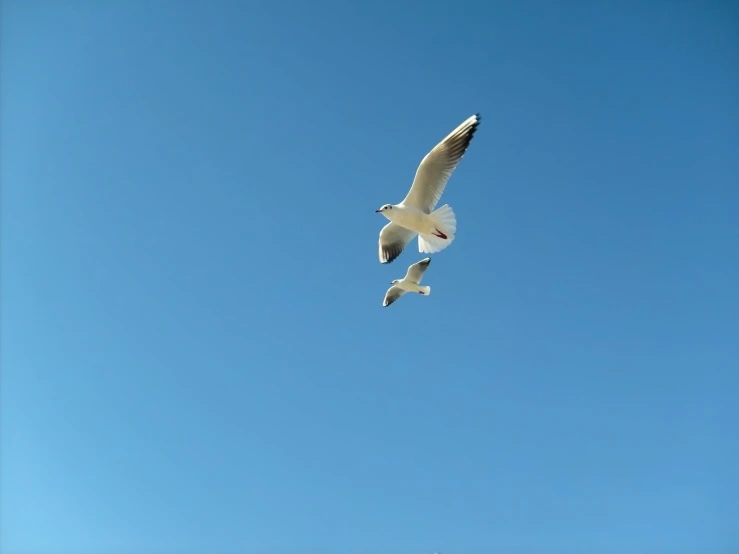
column 415, row 215
column 409, row 283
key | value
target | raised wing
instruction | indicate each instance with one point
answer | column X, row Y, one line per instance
column 416, row 271
column 393, row 239
column 392, row 294
column 438, row 165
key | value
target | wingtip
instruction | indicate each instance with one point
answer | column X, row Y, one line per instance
column 389, row 258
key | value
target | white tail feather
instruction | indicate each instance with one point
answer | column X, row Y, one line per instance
column 425, row 290
column 446, row 223
column 446, row 218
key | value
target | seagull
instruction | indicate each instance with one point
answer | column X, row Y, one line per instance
column 409, row 283
column 415, row 215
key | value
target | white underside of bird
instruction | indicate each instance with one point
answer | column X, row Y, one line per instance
column 415, row 215
column 410, row 283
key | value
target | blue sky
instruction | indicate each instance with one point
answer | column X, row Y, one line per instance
column 194, row 353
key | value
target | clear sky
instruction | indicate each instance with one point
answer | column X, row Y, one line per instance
column 195, row 358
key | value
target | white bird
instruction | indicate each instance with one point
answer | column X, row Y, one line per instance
column 409, row 283
column 415, row 215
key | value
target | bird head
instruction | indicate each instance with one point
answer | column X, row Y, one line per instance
column 395, row 281
column 385, row 208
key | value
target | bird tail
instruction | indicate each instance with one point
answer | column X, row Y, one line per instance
column 446, row 225
column 424, row 290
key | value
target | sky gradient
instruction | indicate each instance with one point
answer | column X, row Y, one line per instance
column 194, row 356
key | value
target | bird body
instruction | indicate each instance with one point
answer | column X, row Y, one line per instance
column 415, row 215
column 413, row 287
column 410, row 218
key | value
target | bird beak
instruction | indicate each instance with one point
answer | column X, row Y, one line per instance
column 377, row 211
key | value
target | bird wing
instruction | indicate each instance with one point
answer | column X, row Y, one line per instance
column 393, row 239
column 437, row 166
column 416, row 271
column 392, row 294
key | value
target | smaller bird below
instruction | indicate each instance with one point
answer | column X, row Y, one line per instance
column 409, row 283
